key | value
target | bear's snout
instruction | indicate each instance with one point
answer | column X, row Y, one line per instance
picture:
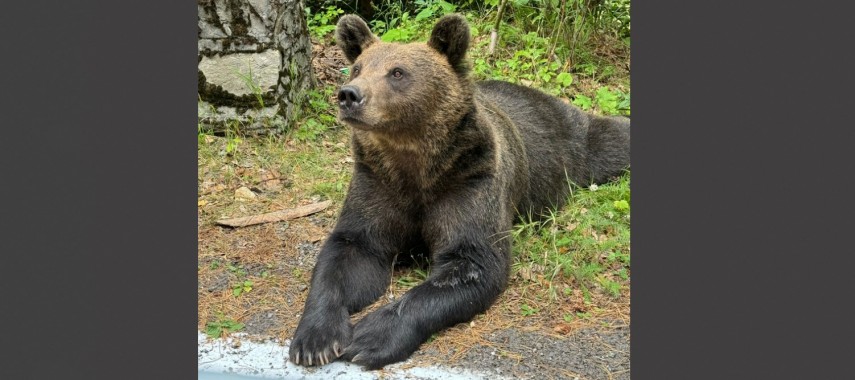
column 350, row 98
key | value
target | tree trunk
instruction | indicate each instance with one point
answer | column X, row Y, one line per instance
column 255, row 63
column 295, row 69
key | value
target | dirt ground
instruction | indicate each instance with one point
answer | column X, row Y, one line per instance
column 277, row 259
column 501, row 340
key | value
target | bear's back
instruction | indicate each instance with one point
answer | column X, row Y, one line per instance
column 553, row 135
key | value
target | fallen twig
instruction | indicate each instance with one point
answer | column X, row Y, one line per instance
column 275, row 216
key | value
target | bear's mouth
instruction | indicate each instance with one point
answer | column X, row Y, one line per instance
column 356, row 122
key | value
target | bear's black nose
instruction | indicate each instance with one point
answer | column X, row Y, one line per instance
column 349, row 96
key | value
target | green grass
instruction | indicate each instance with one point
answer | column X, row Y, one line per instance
column 312, row 158
column 310, row 167
column 413, row 277
column 585, row 243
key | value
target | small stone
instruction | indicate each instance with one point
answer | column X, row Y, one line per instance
column 244, row 193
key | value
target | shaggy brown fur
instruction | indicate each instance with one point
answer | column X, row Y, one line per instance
column 443, row 168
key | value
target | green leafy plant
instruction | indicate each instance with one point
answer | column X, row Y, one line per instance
column 237, row 270
column 316, row 115
column 607, row 100
column 404, row 31
column 242, row 287
column 624, row 104
column 587, row 69
column 310, row 129
column 583, row 102
column 216, row 329
column 433, row 8
column 612, row 102
column 528, row 310
column 564, row 79
column 322, row 23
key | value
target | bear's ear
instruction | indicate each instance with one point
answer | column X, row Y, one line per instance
column 353, row 36
column 450, row 37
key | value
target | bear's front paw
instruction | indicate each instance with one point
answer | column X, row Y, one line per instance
column 382, row 338
column 320, row 339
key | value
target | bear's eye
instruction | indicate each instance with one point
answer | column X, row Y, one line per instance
column 355, row 71
column 397, row 73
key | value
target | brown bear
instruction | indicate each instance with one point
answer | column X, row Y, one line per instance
column 443, row 167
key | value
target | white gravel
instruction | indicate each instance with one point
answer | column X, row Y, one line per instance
column 223, row 359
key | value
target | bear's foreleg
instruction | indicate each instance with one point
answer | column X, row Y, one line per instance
column 471, row 253
column 352, row 272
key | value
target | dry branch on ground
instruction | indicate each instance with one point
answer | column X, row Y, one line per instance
column 275, row 216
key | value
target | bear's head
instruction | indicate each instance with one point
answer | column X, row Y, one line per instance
column 404, row 88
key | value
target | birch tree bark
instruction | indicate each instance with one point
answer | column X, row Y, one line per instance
column 255, row 61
